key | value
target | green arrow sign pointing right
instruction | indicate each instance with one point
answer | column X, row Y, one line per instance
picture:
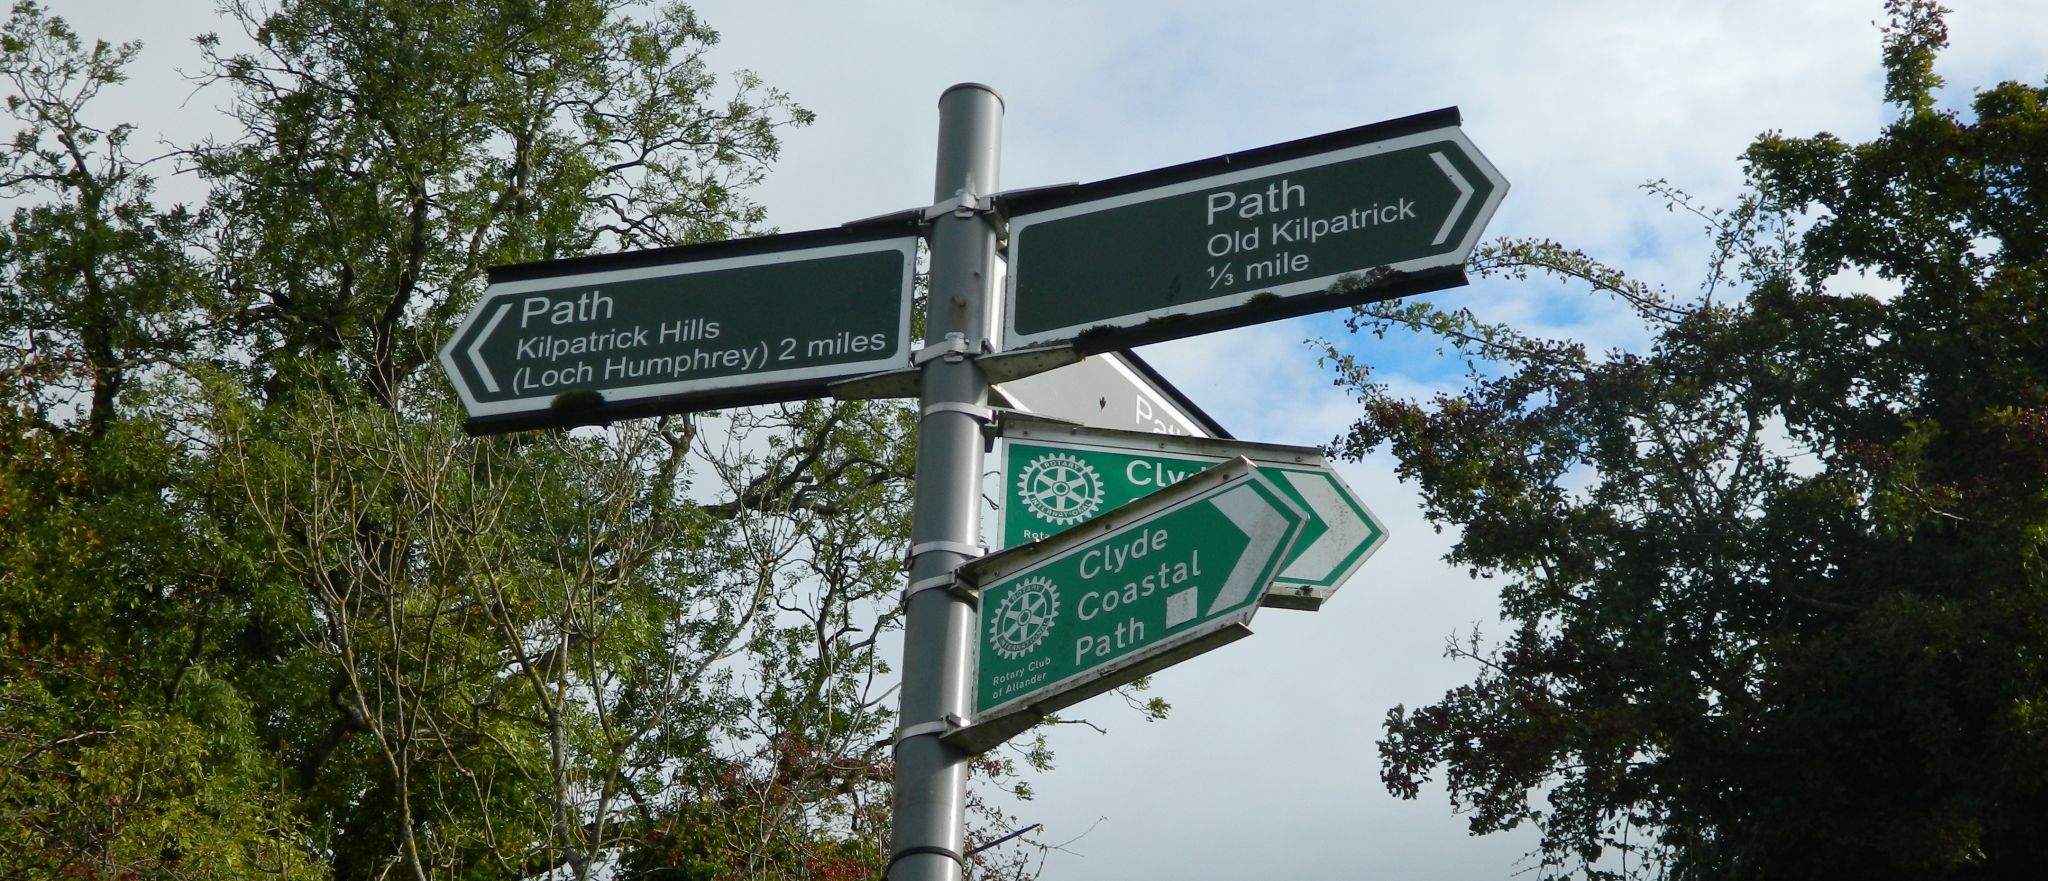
column 1371, row 213
column 1057, row 474
column 1142, row 588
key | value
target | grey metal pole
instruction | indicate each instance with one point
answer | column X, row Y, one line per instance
column 931, row 777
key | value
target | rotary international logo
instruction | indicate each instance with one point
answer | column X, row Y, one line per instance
column 1060, row 489
column 1024, row 618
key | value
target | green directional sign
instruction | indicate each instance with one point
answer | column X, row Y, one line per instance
column 1057, row 475
column 1144, row 587
column 649, row 332
column 1370, row 213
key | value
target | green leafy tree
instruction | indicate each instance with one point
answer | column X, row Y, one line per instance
column 99, row 284
column 1774, row 586
column 392, row 151
column 124, row 751
column 268, row 612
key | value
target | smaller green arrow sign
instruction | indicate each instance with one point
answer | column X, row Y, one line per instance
column 1057, row 475
column 1144, row 587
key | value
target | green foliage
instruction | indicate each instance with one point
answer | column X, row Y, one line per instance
column 266, row 611
column 1773, row 587
column 394, row 150
column 122, row 753
column 99, row 282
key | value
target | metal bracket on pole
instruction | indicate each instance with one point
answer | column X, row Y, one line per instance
column 934, row 850
column 951, row 722
column 946, row 583
column 953, row 348
column 1002, row 367
column 992, row 430
column 963, row 204
column 978, row 413
column 952, row 547
column 936, row 582
column 966, row 204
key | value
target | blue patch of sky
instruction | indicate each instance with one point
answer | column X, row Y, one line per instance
column 1645, row 242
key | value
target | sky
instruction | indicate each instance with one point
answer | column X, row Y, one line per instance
column 1267, row 766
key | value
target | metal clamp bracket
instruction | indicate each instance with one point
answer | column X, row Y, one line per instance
column 963, row 204
column 978, row 413
column 936, row 582
column 934, row 850
column 947, row 583
column 942, row 725
column 953, row 348
column 955, row 547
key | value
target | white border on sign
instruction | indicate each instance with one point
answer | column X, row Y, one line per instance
column 1225, row 478
column 1454, row 257
column 1272, row 458
column 906, row 246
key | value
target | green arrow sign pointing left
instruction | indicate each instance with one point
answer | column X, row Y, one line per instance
column 1151, row 584
column 750, row 321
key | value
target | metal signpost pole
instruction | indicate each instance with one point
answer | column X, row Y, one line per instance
column 939, row 626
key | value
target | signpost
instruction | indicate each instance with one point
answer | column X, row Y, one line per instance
column 753, row 321
column 1111, row 390
column 1144, row 587
column 1057, row 475
column 1181, row 550
column 1365, row 214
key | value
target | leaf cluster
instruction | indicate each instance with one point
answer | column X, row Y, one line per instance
column 266, row 611
column 1772, row 587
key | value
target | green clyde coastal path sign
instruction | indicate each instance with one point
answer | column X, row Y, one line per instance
column 1366, row 214
column 752, row 321
column 1058, row 475
column 1139, row 589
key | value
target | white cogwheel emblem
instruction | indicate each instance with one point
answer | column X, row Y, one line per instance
column 1060, row 489
column 1024, row 618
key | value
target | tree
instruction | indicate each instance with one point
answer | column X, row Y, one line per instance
column 100, row 282
column 120, row 749
column 1774, row 589
column 266, row 611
